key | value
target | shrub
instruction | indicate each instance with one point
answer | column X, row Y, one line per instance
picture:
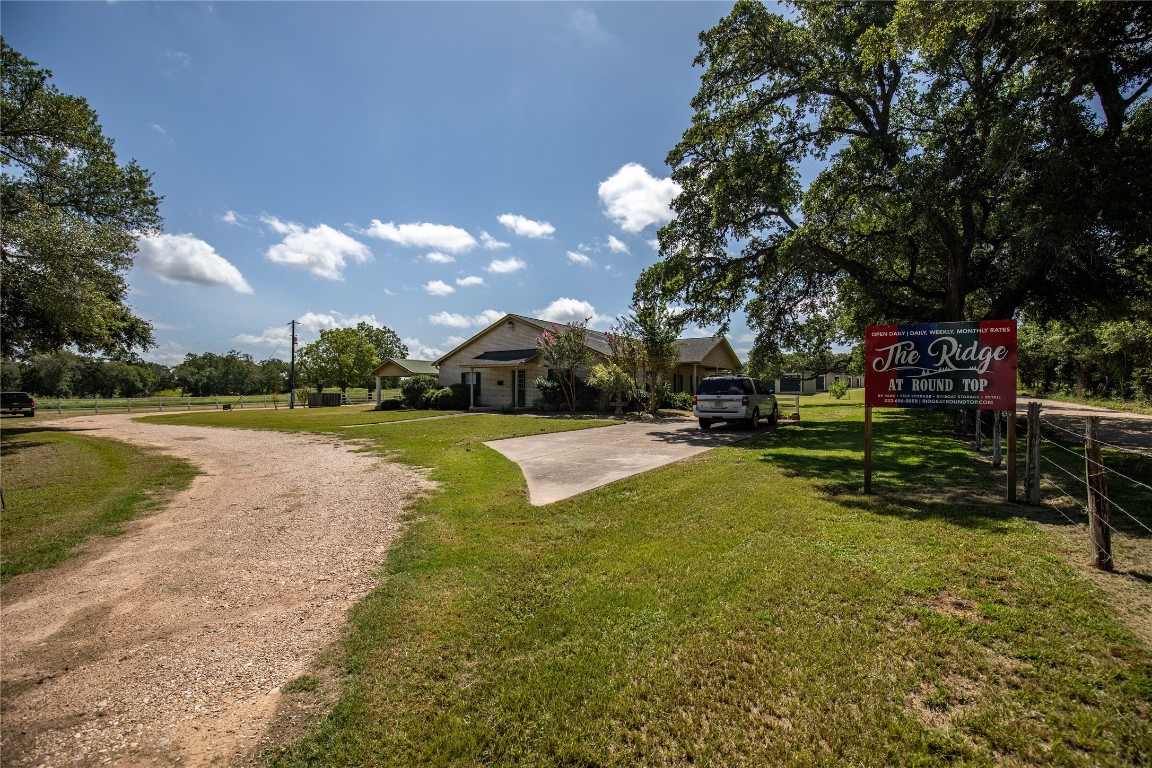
column 838, row 389
column 443, row 399
column 414, row 389
column 681, row 401
column 551, row 397
column 463, row 399
column 390, row 404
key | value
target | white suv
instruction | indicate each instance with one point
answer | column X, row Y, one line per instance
column 734, row 398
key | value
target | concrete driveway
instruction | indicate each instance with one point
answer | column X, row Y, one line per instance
column 564, row 464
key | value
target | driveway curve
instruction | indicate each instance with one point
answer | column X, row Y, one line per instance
column 168, row 645
column 563, row 464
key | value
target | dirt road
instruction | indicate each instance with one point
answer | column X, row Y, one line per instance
column 1122, row 428
column 168, row 645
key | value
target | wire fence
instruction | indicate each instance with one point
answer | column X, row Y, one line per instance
column 63, row 406
column 1104, row 486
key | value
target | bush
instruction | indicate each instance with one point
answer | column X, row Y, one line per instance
column 415, row 389
column 462, row 400
column 390, row 404
column 681, row 401
column 443, row 399
column 838, row 389
column 551, row 396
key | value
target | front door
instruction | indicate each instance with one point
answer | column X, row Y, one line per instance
column 521, row 388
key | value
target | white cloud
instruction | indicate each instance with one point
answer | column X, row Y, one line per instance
column 321, row 250
column 439, row 258
column 526, row 227
column 316, row 321
column 454, row 320
column 487, row 317
column 187, row 259
column 505, row 266
column 231, row 217
column 581, row 259
column 442, row 237
column 308, row 327
column 634, row 199
column 418, row 350
column 269, row 337
column 166, row 353
column 586, row 25
column 438, row 288
column 490, row 243
column 617, row 245
column 470, row 280
column 570, row 311
column 450, row 319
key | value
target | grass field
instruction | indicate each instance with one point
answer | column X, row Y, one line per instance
column 61, row 488
column 746, row 607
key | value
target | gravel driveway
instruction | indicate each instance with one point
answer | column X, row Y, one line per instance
column 168, row 645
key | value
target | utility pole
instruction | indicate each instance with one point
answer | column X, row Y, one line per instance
column 292, row 370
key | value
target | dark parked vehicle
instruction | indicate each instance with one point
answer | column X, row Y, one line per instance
column 17, row 402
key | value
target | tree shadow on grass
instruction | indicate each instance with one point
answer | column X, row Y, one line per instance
column 11, row 447
column 921, row 470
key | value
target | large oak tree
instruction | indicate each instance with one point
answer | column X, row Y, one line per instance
column 70, row 214
column 885, row 162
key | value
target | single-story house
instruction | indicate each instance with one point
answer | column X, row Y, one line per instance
column 501, row 362
column 401, row 368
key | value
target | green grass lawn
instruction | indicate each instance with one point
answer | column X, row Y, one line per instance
column 61, row 488
column 745, row 607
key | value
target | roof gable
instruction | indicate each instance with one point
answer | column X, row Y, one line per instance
column 402, row 366
column 692, row 350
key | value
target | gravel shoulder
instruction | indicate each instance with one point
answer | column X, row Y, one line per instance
column 169, row 644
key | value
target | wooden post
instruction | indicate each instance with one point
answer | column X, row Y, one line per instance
column 979, row 422
column 997, row 458
column 1098, row 512
column 867, row 449
column 1032, row 478
column 1012, row 456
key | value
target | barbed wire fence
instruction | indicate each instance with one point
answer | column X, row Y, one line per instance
column 1069, row 474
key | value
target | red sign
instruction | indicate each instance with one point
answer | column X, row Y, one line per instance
column 956, row 365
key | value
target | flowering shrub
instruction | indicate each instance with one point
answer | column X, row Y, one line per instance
column 564, row 349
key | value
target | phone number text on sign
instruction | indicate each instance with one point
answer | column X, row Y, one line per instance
column 924, row 365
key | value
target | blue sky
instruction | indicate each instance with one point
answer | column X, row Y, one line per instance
column 426, row 166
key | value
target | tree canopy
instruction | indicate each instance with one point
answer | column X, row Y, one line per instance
column 384, row 340
column 645, row 340
column 565, row 350
column 888, row 162
column 340, row 357
column 70, row 215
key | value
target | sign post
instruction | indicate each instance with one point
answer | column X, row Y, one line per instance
column 930, row 365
